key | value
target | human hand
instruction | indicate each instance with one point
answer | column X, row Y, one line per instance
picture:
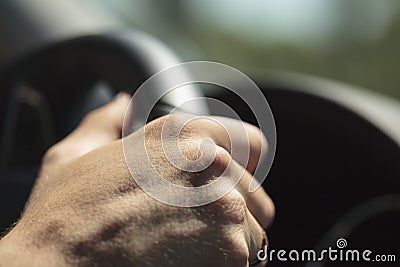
column 86, row 209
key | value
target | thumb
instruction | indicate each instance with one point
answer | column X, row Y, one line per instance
column 105, row 121
column 99, row 127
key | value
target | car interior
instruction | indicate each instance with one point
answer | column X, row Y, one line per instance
column 336, row 171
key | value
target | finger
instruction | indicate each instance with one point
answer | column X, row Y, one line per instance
column 98, row 128
column 258, row 202
column 226, row 133
column 248, row 141
column 105, row 122
column 256, row 238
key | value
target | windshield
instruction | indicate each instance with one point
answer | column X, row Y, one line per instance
column 352, row 41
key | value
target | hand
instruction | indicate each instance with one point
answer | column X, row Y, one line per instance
column 87, row 210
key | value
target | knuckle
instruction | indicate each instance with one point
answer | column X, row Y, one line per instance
column 187, row 125
column 167, row 124
column 231, row 209
column 205, row 159
column 178, row 143
column 235, row 206
column 222, row 159
column 235, row 243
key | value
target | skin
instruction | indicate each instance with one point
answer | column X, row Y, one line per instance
column 86, row 210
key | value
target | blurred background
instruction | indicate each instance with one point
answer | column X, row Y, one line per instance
column 352, row 41
column 336, row 171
